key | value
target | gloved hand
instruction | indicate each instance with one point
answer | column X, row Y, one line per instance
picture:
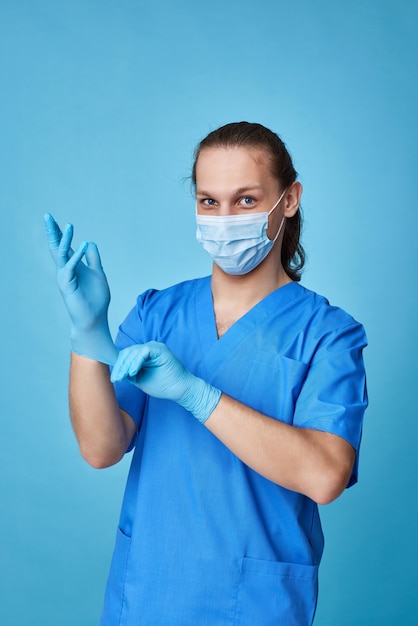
column 154, row 369
column 85, row 291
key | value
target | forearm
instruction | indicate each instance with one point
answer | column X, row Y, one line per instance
column 311, row 462
column 103, row 431
column 317, row 464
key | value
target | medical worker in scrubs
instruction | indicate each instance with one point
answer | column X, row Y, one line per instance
column 242, row 395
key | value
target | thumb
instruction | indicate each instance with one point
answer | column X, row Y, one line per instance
column 92, row 257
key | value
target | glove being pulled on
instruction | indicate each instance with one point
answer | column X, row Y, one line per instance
column 153, row 368
column 86, row 294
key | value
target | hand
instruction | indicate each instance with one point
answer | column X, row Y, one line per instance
column 85, row 291
column 155, row 370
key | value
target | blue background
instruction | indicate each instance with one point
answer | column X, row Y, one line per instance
column 102, row 104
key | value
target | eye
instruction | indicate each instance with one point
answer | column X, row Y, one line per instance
column 247, row 201
column 208, row 202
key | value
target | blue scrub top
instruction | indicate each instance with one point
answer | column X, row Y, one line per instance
column 203, row 539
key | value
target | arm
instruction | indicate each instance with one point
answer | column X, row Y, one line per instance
column 315, row 463
column 102, row 429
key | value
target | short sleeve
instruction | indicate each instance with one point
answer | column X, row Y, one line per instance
column 130, row 398
column 333, row 397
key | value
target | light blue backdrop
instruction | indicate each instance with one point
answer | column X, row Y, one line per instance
column 102, row 104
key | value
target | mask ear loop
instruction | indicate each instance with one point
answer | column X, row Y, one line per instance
column 283, row 218
column 280, row 228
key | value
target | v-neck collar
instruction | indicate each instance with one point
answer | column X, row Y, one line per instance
column 215, row 349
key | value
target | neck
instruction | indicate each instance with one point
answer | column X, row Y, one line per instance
column 243, row 292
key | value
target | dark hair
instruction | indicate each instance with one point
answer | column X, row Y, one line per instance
column 258, row 136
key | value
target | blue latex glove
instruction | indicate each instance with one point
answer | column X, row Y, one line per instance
column 85, row 291
column 154, row 369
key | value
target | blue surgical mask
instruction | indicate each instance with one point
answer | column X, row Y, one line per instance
column 237, row 243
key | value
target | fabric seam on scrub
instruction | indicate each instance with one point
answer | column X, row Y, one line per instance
column 122, row 604
column 338, row 331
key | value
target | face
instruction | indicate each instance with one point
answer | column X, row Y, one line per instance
column 237, row 180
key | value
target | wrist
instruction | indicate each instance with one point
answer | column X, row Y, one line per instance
column 200, row 399
column 95, row 343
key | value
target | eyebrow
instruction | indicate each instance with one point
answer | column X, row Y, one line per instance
column 240, row 190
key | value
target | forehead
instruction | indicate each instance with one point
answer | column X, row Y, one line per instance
column 233, row 166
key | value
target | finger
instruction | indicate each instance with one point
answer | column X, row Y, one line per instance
column 93, row 257
column 75, row 259
column 62, row 254
column 53, row 232
column 136, row 364
column 119, row 370
column 129, row 360
column 133, row 361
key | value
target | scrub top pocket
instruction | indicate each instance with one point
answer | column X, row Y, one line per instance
column 281, row 378
column 115, row 589
column 271, row 593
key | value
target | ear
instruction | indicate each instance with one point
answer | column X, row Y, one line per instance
column 292, row 199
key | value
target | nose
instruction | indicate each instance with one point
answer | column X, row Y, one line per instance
column 221, row 208
column 227, row 208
